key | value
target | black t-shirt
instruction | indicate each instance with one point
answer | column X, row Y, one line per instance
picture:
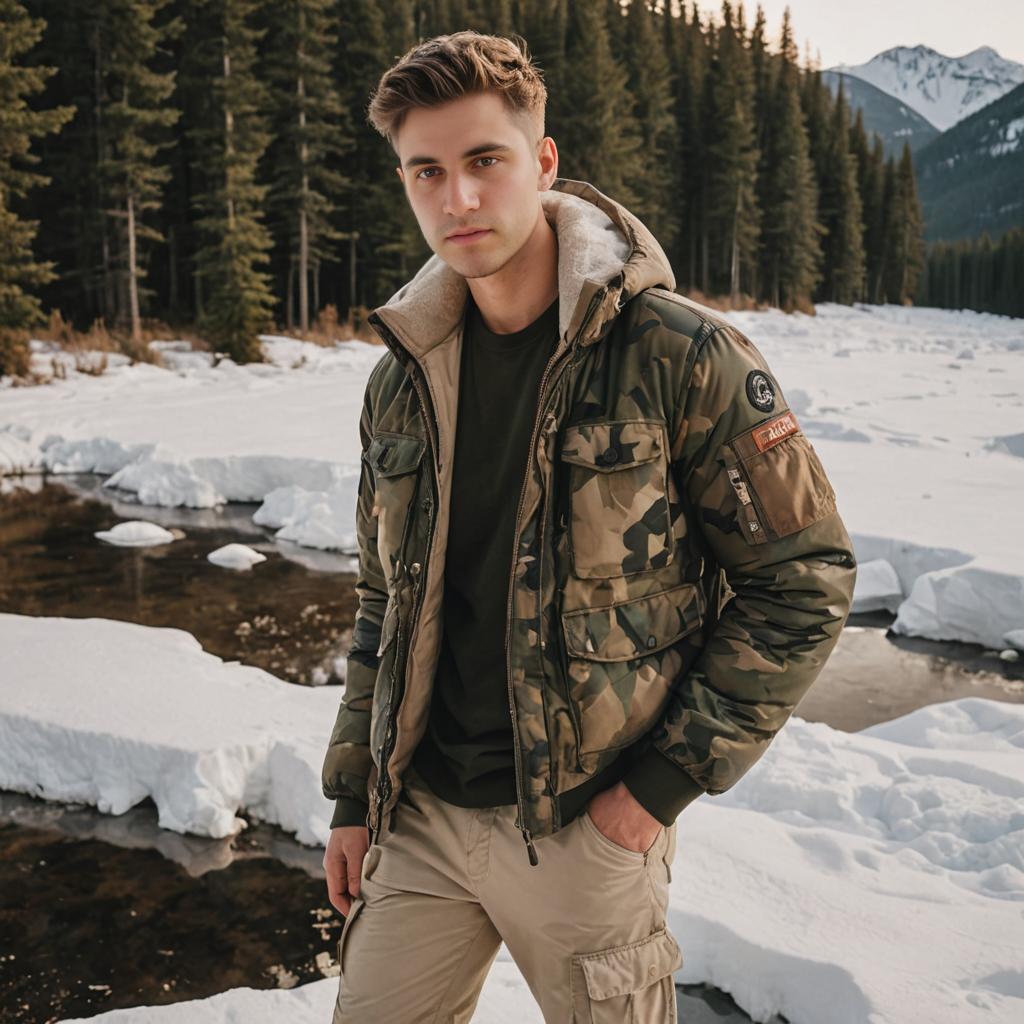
column 466, row 754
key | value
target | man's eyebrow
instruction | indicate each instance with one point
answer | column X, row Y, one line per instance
column 487, row 147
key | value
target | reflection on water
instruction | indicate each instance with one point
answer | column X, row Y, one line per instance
column 874, row 677
column 88, row 926
column 290, row 615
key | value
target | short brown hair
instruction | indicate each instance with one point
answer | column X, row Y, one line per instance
column 449, row 66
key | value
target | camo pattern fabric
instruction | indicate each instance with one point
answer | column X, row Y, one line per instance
column 666, row 460
column 620, row 513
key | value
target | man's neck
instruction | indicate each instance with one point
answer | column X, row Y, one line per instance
column 517, row 294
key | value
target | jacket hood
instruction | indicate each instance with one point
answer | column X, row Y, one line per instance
column 602, row 247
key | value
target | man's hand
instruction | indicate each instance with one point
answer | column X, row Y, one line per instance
column 343, row 863
column 623, row 819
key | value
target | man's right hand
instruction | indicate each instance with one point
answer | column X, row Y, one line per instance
column 343, row 863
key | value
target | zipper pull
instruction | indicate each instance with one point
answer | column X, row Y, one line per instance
column 530, row 849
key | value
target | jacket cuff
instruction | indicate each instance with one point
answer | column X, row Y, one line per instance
column 349, row 810
column 660, row 786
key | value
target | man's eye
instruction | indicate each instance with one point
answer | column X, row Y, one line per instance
column 488, row 158
column 422, row 173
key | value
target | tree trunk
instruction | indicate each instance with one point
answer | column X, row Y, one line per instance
column 303, row 197
column 133, row 280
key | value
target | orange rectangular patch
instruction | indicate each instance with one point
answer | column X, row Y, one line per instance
column 774, row 431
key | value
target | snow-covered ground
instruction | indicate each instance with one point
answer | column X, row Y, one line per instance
column 108, row 713
column 918, row 415
column 505, row 999
column 869, row 878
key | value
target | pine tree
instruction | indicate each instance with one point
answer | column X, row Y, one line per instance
column 904, row 248
column 313, row 135
column 840, row 212
column 544, row 24
column 385, row 243
column 134, row 115
column 688, row 56
column 873, row 212
column 237, row 300
column 734, row 217
column 20, row 271
column 649, row 81
column 601, row 143
column 791, row 250
column 862, row 157
column 816, row 101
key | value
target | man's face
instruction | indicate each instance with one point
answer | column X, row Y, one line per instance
column 468, row 164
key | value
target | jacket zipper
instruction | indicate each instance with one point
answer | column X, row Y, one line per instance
column 749, row 499
column 384, row 752
column 383, row 778
column 521, row 820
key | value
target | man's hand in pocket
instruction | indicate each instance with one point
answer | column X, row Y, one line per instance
column 343, row 863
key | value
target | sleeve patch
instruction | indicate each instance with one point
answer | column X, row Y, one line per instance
column 771, row 433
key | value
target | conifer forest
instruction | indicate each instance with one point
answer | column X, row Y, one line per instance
column 207, row 165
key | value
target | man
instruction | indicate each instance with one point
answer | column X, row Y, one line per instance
column 564, row 462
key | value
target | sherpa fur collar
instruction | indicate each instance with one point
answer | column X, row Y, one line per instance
column 599, row 241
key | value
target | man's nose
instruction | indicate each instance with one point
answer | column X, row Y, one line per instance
column 460, row 196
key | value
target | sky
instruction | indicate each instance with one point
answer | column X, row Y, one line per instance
column 852, row 33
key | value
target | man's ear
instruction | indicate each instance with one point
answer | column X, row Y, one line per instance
column 547, row 156
column 400, row 174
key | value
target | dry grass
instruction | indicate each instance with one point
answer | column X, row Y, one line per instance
column 100, row 338
column 90, row 347
column 327, row 329
column 724, row 304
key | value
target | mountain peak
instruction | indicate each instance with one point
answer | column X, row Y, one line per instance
column 942, row 89
column 982, row 51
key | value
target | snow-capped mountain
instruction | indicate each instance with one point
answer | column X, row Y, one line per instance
column 944, row 90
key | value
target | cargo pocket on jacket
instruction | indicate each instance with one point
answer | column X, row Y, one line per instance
column 393, row 460
column 616, row 687
column 778, row 480
column 619, row 509
column 628, row 984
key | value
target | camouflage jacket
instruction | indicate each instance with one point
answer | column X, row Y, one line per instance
column 680, row 571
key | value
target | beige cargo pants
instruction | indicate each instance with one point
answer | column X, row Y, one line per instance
column 586, row 926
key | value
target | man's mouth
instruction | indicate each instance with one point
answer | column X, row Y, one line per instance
column 466, row 237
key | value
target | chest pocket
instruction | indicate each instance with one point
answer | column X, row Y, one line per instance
column 620, row 521
column 393, row 459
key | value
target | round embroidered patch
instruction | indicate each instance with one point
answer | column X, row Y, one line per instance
column 760, row 390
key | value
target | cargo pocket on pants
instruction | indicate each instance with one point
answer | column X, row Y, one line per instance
column 629, row 984
column 353, row 912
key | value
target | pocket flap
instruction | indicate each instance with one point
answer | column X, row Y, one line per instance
column 612, row 445
column 630, row 968
column 394, row 454
column 632, row 629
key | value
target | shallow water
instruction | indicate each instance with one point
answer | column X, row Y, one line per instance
column 196, row 916
column 290, row 615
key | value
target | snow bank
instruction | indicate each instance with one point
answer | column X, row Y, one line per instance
column 200, row 435
column 109, row 713
column 867, row 877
